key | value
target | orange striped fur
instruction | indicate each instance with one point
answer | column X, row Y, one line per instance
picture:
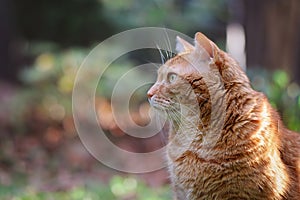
column 225, row 140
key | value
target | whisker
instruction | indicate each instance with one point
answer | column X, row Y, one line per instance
column 182, row 125
column 168, row 44
column 184, row 119
column 162, row 57
column 174, row 113
column 162, row 137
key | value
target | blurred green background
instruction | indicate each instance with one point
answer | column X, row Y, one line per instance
column 43, row 43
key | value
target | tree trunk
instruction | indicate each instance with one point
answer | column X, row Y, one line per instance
column 272, row 35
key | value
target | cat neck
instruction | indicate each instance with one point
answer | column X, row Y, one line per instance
column 249, row 124
column 245, row 118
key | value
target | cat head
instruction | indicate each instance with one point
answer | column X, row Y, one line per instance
column 196, row 77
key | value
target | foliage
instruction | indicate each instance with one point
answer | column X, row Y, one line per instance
column 174, row 14
column 72, row 22
column 283, row 94
column 49, row 82
column 76, row 22
column 48, row 86
column 118, row 188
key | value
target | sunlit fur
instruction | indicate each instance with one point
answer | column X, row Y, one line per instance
column 226, row 141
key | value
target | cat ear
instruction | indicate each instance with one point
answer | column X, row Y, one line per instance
column 182, row 45
column 205, row 46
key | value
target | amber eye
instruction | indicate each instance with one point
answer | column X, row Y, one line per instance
column 172, row 77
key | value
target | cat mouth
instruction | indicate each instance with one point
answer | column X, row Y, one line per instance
column 159, row 103
column 164, row 105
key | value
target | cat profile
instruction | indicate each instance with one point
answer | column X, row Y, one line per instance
column 225, row 139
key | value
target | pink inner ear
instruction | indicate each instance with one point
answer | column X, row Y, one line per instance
column 205, row 43
column 183, row 45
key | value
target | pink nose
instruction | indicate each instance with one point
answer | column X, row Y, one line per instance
column 150, row 94
column 152, row 91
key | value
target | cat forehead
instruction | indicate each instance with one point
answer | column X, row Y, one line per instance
column 174, row 66
column 178, row 59
column 182, row 65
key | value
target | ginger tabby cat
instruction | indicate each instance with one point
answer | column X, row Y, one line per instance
column 225, row 140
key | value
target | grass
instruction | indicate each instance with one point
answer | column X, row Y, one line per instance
column 119, row 188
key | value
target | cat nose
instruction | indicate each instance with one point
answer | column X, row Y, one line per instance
column 152, row 91
column 150, row 94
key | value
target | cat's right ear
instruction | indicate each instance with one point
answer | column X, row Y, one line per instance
column 203, row 44
column 183, row 46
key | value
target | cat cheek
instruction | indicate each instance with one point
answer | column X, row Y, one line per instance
column 174, row 91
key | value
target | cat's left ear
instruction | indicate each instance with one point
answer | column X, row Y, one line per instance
column 205, row 46
column 182, row 45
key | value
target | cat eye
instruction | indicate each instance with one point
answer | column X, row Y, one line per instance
column 172, row 77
